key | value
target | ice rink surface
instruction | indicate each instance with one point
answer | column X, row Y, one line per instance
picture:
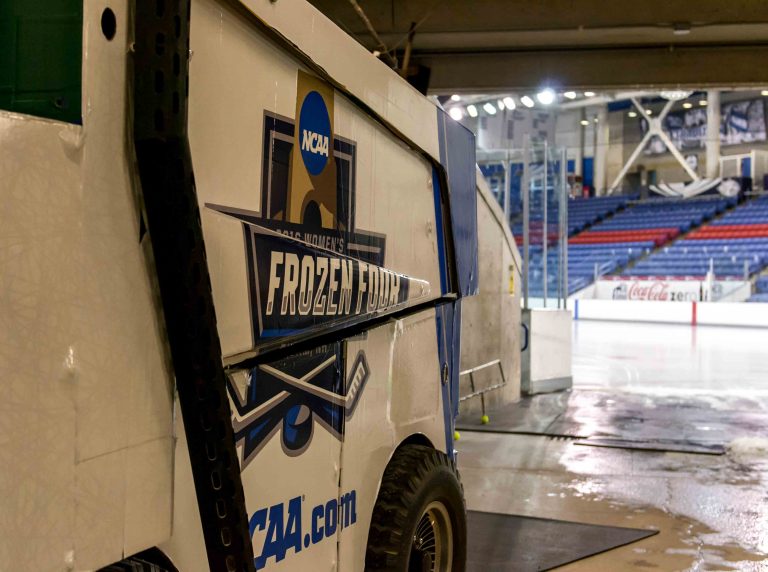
column 711, row 511
column 678, row 359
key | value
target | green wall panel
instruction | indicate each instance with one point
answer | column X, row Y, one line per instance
column 41, row 57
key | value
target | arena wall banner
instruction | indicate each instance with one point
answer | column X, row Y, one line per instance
column 672, row 290
column 740, row 122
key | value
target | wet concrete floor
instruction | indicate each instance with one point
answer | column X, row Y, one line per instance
column 711, row 510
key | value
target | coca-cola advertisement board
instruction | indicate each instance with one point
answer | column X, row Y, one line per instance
column 671, row 290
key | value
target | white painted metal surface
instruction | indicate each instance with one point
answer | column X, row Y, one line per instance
column 86, row 421
column 546, row 362
column 91, row 469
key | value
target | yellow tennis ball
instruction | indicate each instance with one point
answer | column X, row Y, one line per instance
column 456, row 435
column 484, row 420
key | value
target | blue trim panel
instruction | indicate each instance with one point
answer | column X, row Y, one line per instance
column 457, row 155
column 448, row 326
column 441, row 256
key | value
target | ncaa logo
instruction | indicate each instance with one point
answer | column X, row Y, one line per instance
column 314, row 133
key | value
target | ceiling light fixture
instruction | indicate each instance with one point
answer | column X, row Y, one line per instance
column 489, row 108
column 509, row 102
column 649, row 111
column 527, row 101
column 455, row 97
column 675, row 94
column 589, row 94
column 764, row 92
column 500, row 105
column 456, row 113
column 546, row 96
column 584, row 122
column 472, row 110
column 703, row 102
column 632, row 114
column 570, row 95
column 687, row 105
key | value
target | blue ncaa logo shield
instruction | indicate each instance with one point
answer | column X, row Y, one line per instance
column 314, row 133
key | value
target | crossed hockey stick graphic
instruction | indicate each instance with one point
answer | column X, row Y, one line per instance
column 358, row 376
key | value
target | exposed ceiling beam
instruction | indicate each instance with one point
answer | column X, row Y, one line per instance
column 601, row 69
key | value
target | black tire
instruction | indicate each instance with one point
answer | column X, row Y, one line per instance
column 418, row 481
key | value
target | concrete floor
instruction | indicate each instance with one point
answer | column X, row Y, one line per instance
column 711, row 511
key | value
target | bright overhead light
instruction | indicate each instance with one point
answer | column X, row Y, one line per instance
column 472, row 110
column 527, row 101
column 589, row 94
column 703, row 102
column 596, row 119
column 649, row 111
column 764, row 92
column 584, row 122
column 509, row 102
column 675, row 94
column 570, row 94
column 632, row 114
column 687, row 105
column 455, row 97
column 546, row 96
column 489, row 108
column 455, row 113
column 500, row 105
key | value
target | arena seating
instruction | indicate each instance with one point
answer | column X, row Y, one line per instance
column 581, row 214
column 583, row 259
column 761, row 290
column 732, row 246
column 585, row 212
column 657, row 221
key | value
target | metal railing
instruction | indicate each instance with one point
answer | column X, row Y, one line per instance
column 481, row 392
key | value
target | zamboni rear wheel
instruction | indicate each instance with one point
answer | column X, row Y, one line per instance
column 419, row 520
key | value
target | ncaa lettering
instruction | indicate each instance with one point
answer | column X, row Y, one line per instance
column 314, row 142
column 282, row 527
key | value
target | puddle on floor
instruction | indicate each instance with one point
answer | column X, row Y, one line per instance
column 711, row 512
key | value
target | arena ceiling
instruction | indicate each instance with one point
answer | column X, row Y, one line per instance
column 484, row 46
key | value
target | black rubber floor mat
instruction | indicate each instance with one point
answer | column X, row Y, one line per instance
column 657, row 446
column 511, row 543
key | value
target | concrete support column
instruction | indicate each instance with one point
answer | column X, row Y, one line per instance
column 601, row 149
column 713, row 134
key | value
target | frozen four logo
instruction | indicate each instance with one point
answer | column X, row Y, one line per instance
column 315, row 133
column 329, row 286
column 300, row 287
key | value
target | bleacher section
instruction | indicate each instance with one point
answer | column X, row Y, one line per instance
column 657, row 221
column 581, row 259
column 581, row 214
column 585, row 212
column 584, row 261
column 761, row 290
column 732, row 246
